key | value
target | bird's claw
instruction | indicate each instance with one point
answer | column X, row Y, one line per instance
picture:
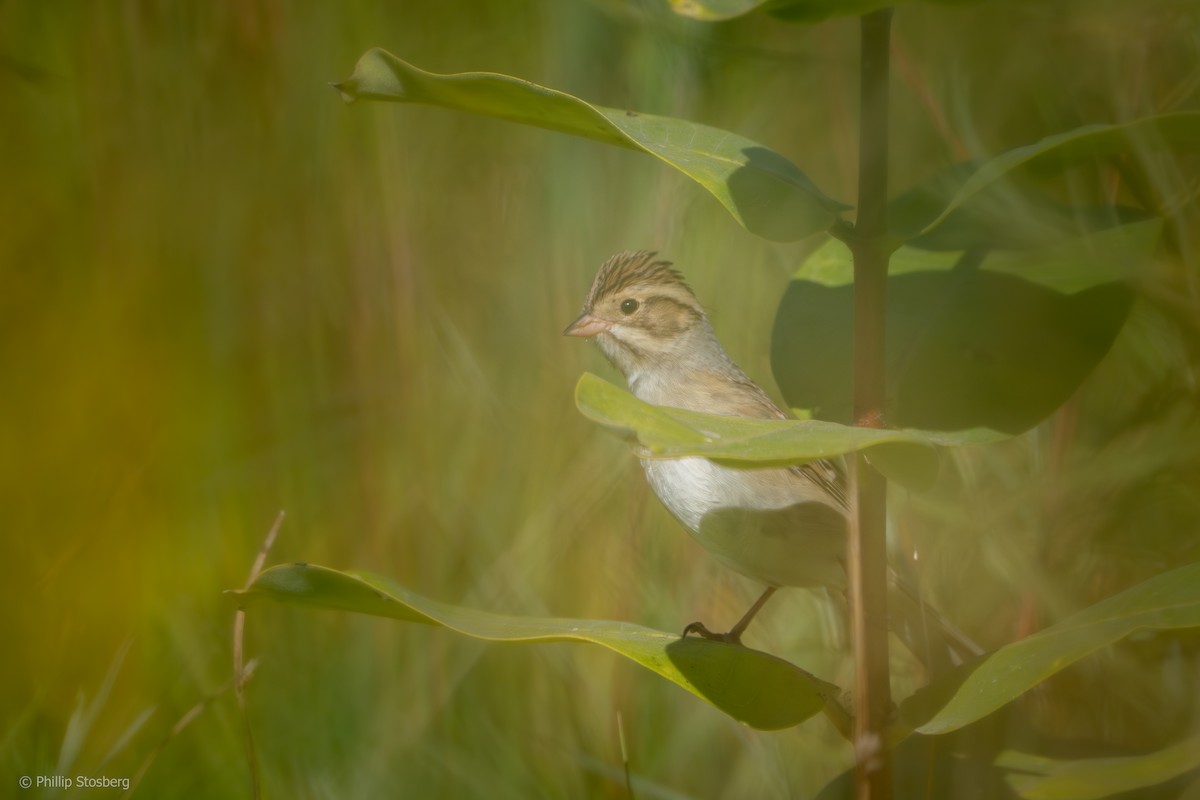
column 701, row 630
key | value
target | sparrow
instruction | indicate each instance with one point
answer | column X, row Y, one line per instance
column 779, row 526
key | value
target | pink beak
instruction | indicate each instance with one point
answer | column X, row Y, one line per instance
column 587, row 326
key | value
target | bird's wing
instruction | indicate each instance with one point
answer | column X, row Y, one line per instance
column 828, row 474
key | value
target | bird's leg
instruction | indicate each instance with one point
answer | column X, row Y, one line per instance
column 734, row 635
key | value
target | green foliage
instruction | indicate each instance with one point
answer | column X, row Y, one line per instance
column 763, row 190
column 223, row 294
column 1178, row 132
column 807, row 11
column 967, row 348
column 768, row 693
column 995, row 339
column 1167, row 602
column 905, row 455
column 981, row 341
column 1036, row 778
column 754, row 688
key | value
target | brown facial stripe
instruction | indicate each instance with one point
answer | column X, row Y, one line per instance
column 667, row 325
column 626, row 269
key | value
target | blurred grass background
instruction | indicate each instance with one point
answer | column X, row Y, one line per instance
column 223, row 293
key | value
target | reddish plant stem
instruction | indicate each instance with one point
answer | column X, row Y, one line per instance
column 867, row 562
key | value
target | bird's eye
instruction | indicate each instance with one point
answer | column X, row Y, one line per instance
column 629, row 306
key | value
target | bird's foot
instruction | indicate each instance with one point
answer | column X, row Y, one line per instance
column 701, row 630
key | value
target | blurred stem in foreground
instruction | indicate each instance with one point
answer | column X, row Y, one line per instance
column 867, row 557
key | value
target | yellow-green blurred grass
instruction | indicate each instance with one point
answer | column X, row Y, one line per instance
column 232, row 295
column 224, row 293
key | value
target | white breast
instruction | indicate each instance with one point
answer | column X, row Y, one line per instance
column 770, row 525
column 692, row 487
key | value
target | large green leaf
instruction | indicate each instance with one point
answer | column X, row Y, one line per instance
column 797, row 10
column 965, row 764
column 715, row 10
column 928, row 767
column 1038, row 778
column 1168, row 601
column 753, row 687
column 1010, row 213
column 673, row 432
column 791, row 10
column 995, row 340
column 1179, row 131
column 764, row 191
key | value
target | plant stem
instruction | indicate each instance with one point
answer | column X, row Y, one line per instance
column 870, row 245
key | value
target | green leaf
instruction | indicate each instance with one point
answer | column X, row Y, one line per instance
column 764, row 191
column 995, row 340
column 790, row 10
column 673, row 432
column 753, row 687
column 810, row 11
column 715, row 10
column 1008, row 214
column 796, row 10
column 1166, row 602
column 1091, row 778
column 1178, row 131
column 933, row 767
